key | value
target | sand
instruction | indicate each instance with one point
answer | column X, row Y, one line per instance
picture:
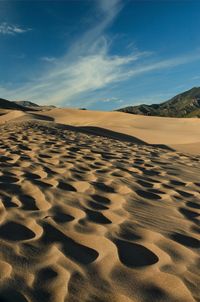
column 95, row 215
column 178, row 133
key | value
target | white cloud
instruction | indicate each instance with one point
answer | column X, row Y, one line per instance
column 112, row 100
column 164, row 64
column 69, row 81
column 111, row 8
column 48, row 59
column 10, row 29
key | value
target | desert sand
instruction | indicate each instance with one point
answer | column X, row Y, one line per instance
column 98, row 207
column 182, row 134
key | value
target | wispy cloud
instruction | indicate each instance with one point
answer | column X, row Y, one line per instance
column 67, row 81
column 163, row 64
column 63, row 85
column 10, row 29
column 89, row 67
column 48, row 59
column 112, row 100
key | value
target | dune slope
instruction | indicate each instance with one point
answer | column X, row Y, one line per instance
column 181, row 134
column 153, row 130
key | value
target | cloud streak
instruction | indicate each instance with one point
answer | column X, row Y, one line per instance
column 48, row 59
column 10, row 29
column 62, row 86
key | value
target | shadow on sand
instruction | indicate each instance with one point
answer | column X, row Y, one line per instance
column 111, row 134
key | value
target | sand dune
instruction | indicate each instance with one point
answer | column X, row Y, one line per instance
column 181, row 134
column 9, row 115
column 152, row 130
column 107, row 217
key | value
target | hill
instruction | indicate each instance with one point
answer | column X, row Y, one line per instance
column 26, row 104
column 23, row 106
column 5, row 104
column 33, row 106
column 186, row 104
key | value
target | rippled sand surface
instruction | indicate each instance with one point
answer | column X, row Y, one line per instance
column 88, row 218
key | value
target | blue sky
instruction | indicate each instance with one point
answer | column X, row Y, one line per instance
column 98, row 54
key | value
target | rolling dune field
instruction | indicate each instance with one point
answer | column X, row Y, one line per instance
column 90, row 213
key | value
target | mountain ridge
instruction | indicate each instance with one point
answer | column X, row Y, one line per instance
column 33, row 106
column 23, row 105
column 5, row 104
column 26, row 104
column 186, row 104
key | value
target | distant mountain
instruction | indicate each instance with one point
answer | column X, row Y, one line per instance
column 23, row 106
column 186, row 104
column 5, row 104
column 33, row 106
column 26, row 104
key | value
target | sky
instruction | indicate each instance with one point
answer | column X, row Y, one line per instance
column 98, row 54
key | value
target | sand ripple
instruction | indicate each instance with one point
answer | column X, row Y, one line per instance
column 86, row 218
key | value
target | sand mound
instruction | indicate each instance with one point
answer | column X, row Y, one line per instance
column 9, row 115
column 88, row 218
column 179, row 133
